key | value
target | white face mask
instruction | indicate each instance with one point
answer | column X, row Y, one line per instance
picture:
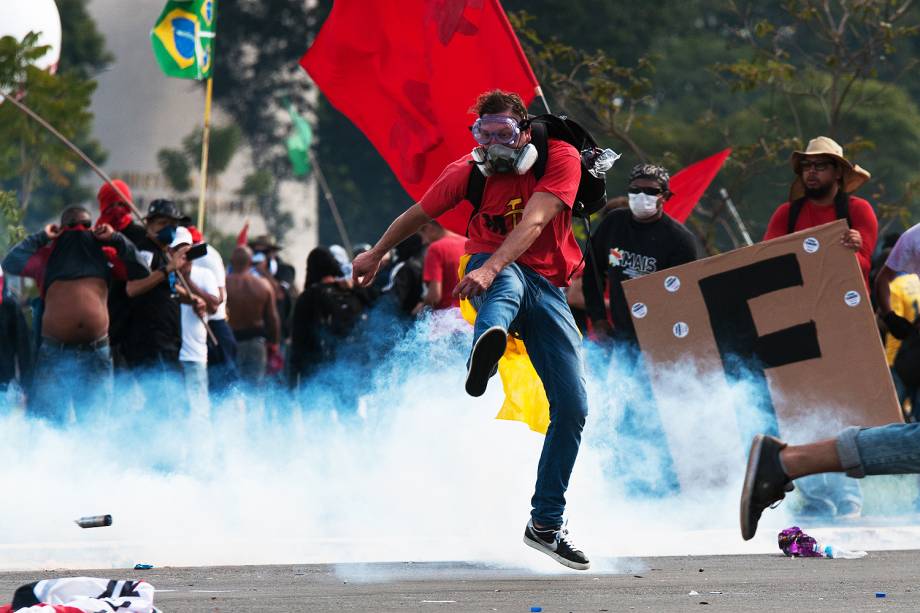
column 643, row 206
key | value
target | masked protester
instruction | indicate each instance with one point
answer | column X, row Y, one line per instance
column 629, row 243
column 821, row 193
column 73, row 264
column 152, row 336
column 522, row 251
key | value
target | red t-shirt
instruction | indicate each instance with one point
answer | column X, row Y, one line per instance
column 441, row 263
column 862, row 218
column 555, row 253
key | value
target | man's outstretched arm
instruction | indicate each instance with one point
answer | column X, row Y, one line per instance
column 365, row 265
column 539, row 211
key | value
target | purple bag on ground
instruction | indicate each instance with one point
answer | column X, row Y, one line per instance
column 797, row 544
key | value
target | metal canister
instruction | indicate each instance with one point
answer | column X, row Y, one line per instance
column 94, row 521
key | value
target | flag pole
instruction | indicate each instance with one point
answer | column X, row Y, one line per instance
column 106, row 178
column 735, row 216
column 539, row 92
column 205, row 138
column 327, row 194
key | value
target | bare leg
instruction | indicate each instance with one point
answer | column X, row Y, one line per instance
column 813, row 458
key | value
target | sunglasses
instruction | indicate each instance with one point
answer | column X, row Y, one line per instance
column 816, row 166
column 649, row 191
column 85, row 224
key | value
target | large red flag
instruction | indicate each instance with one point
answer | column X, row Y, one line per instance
column 689, row 184
column 406, row 72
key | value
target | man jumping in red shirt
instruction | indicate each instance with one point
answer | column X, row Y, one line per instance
column 522, row 252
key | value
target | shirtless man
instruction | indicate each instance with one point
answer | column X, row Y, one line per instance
column 253, row 316
column 73, row 265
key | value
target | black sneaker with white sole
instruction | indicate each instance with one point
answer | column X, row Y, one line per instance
column 765, row 482
column 555, row 543
column 487, row 351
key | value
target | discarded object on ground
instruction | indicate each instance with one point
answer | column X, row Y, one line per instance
column 94, row 521
column 797, row 544
column 84, row 595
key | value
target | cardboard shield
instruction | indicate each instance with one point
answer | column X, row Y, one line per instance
column 793, row 311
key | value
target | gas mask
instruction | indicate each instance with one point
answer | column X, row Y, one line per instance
column 643, row 206
column 496, row 134
column 498, row 159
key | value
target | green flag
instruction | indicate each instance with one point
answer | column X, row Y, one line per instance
column 183, row 38
column 298, row 143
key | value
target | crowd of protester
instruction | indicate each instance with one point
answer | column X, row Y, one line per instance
column 123, row 297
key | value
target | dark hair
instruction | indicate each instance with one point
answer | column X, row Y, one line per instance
column 498, row 101
column 321, row 263
column 72, row 211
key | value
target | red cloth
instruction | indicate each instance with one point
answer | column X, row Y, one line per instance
column 112, row 205
column 861, row 215
column 407, row 72
column 555, row 253
column 196, row 234
column 441, row 263
column 690, row 183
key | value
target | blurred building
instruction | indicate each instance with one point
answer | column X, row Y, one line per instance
column 139, row 111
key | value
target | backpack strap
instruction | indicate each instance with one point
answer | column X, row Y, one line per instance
column 475, row 186
column 795, row 209
column 842, row 208
column 540, row 139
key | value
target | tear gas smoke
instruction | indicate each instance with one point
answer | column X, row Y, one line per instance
column 381, row 457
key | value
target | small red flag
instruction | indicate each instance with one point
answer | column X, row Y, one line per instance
column 407, row 72
column 690, row 183
column 243, row 236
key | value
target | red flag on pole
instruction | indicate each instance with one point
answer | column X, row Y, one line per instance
column 407, row 72
column 689, row 184
column 243, row 236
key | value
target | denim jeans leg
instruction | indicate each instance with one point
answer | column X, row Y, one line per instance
column 554, row 346
column 500, row 304
column 52, row 384
column 97, row 370
column 884, row 450
column 196, row 389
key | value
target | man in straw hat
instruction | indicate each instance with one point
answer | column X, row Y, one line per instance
column 821, row 193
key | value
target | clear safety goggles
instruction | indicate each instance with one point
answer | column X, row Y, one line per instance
column 495, row 130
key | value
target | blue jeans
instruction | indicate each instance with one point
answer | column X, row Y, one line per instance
column 524, row 302
column 66, row 376
column 222, row 370
column 883, row 450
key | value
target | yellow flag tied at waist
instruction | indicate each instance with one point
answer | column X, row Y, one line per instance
column 525, row 398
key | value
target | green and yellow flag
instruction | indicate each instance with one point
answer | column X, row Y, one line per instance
column 183, row 38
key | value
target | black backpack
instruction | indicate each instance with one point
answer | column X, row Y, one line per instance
column 592, row 191
column 341, row 309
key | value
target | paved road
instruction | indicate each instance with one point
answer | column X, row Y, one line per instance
column 723, row 583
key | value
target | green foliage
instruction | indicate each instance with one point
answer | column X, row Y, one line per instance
column 175, row 168
column 11, row 213
column 258, row 45
column 223, row 143
column 28, row 153
column 52, row 181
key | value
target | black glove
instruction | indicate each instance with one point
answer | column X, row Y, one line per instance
column 899, row 327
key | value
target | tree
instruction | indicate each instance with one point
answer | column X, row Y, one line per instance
column 29, row 153
column 258, row 45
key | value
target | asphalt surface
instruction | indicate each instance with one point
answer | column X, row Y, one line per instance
column 720, row 583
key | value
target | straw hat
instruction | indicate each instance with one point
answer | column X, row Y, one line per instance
column 854, row 176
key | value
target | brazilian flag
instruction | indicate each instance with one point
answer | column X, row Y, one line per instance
column 183, row 38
